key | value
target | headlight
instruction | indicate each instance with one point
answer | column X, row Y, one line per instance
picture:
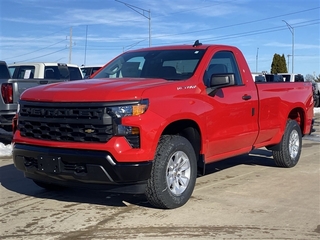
column 129, row 110
column 120, row 111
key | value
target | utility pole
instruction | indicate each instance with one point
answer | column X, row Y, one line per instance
column 141, row 11
column 85, row 47
column 292, row 32
column 257, row 59
column 70, row 45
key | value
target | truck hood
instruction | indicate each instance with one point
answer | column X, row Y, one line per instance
column 92, row 90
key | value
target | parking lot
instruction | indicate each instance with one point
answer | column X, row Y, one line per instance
column 245, row 197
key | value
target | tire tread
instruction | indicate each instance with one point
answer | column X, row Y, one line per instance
column 160, row 198
column 282, row 157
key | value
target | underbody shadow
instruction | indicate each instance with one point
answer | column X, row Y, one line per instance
column 260, row 157
column 14, row 180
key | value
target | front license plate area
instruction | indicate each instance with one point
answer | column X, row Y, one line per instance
column 49, row 164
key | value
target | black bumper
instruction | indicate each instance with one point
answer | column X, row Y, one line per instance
column 72, row 166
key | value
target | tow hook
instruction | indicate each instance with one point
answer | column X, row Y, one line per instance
column 79, row 169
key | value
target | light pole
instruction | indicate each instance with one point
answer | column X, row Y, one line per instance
column 288, row 61
column 141, row 11
column 292, row 32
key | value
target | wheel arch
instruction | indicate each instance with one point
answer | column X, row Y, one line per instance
column 299, row 115
column 191, row 131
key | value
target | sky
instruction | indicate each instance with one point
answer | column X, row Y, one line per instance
column 91, row 32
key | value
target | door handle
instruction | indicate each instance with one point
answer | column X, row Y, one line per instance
column 246, row 97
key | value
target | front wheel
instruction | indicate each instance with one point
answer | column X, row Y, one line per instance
column 174, row 173
column 289, row 149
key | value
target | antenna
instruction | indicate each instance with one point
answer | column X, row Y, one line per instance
column 197, row 43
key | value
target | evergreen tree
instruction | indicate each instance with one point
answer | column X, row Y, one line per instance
column 283, row 64
column 279, row 64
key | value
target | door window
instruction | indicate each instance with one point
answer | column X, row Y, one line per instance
column 222, row 63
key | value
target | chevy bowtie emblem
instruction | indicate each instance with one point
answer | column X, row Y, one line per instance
column 89, row 130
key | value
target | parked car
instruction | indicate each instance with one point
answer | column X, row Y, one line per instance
column 152, row 119
column 4, row 71
column 87, row 71
column 27, row 75
column 316, row 93
column 45, row 70
column 5, row 97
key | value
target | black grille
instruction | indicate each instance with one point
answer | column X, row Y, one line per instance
column 68, row 122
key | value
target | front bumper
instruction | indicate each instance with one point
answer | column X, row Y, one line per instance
column 69, row 166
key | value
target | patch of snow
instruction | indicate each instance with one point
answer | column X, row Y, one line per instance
column 5, row 150
column 316, row 110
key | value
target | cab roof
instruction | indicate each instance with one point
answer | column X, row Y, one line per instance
column 196, row 45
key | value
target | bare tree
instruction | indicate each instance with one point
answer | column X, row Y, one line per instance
column 309, row 78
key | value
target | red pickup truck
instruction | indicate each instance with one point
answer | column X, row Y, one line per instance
column 151, row 119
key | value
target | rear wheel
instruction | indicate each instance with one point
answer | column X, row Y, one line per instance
column 289, row 149
column 173, row 173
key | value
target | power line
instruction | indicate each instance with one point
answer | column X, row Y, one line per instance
column 254, row 32
column 43, row 55
column 192, row 9
column 204, row 30
column 237, row 35
column 242, row 23
column 221, row 27
column 261, row 31
column 53, row 33
column 39, row 49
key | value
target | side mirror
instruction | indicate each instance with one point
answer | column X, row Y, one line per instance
column 220, row 80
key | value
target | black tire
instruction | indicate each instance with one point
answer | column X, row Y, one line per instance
column 171, row 189
column 48, row 186
column 316, row 101
column 289, row 149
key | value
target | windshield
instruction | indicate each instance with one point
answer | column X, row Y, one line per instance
column 166, row 64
